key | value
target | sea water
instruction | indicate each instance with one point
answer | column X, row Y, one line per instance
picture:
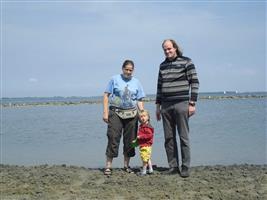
column 223, row 131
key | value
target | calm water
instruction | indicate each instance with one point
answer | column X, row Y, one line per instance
column 222, row 132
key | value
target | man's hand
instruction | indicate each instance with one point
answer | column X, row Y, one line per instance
column 158, row 115
column 191, row 110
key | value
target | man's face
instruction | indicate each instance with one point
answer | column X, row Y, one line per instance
column 169, row 50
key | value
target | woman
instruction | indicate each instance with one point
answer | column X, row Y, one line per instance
column 122, row 98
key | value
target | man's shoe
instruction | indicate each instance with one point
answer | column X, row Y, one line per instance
column 185, row 172
column 172, row 170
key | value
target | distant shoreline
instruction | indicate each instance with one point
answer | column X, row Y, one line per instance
column 67, row 102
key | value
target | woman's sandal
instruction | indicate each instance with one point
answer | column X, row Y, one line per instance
column 107, row 172
column 128, row 170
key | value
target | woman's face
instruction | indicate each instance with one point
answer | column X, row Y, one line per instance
column 127, row 71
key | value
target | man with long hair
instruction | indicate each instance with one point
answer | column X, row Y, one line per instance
column 177, row 92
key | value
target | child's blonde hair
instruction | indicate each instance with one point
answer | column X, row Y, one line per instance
column 144, row 112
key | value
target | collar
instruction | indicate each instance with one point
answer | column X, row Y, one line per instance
column 167, row 60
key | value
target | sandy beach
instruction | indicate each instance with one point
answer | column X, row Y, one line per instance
column 63, row 182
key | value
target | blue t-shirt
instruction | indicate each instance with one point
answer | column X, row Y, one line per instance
column 124, row 92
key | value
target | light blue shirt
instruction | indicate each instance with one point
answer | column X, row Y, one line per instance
column 124, row 92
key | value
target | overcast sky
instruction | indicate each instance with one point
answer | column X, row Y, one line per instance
column 73, row 48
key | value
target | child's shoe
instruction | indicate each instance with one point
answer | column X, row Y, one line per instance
column 141, row 173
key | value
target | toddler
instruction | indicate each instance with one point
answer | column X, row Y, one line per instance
column 145, row 140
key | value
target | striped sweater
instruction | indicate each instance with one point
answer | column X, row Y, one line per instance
column 177, row 81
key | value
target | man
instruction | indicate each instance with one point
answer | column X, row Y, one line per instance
column 177, row 92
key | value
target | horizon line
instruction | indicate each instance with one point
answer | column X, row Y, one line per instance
column 59, row 96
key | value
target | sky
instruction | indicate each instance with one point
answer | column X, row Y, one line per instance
column 73, row 48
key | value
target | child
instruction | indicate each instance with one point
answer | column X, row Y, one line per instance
column 145, row 140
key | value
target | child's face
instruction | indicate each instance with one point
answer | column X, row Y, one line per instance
column 143, row 118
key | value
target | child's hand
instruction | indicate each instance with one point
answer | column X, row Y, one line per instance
column 135, row 140
column 134, row 143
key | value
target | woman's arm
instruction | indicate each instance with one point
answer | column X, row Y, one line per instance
column 105, row 107
column 140, row 105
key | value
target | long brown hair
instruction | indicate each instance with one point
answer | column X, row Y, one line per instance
column 175, row 45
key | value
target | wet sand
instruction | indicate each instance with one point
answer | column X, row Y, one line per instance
column 63, row 182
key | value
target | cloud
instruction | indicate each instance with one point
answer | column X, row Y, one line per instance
column 32, row 80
